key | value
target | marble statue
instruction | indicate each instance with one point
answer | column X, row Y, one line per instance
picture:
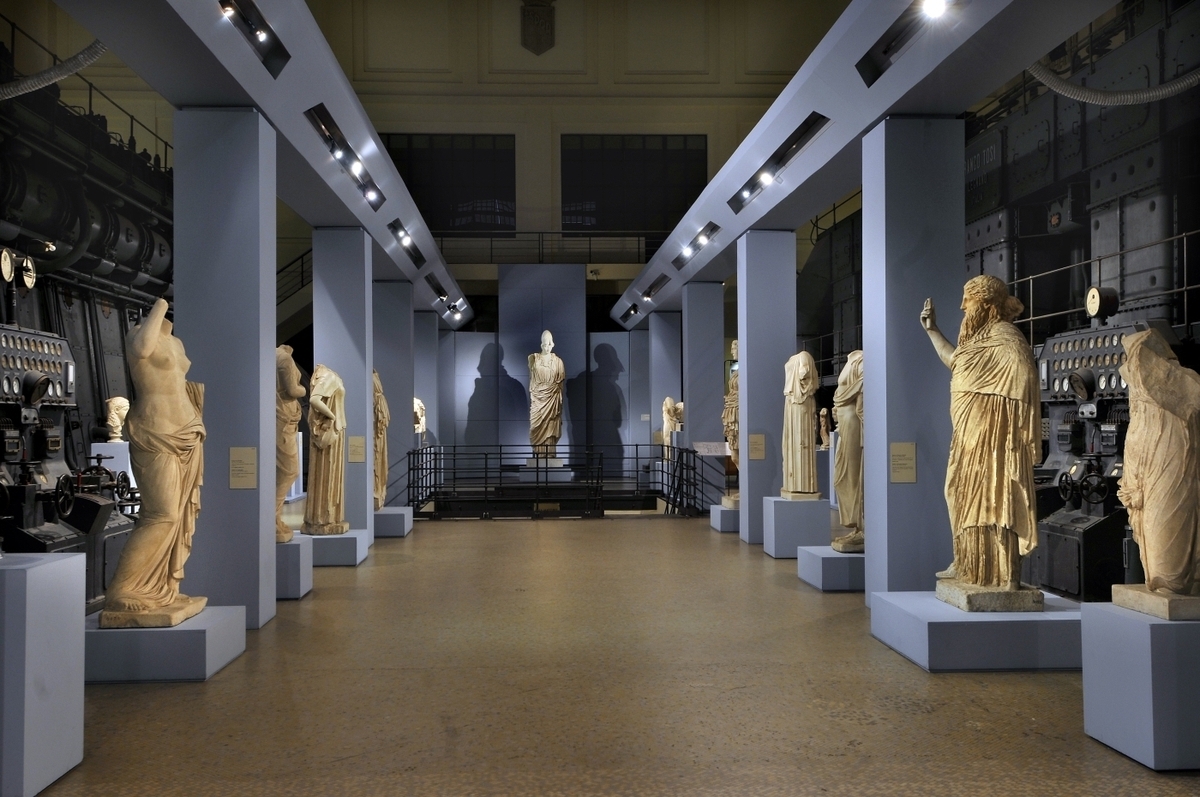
column 288, row 392
column 997, row 437
column 823, row 424
column 1161, row 483
column 800, row 385
column 325, row 509
column 672, row 418
column 118, row 408
column 419, row 418
column 848, row 459
column 166, row 445
column 382, row 419
column 729, row 415
column 546, row 376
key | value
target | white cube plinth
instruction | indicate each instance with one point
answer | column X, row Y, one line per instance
column 789, row 524
column 41, row 669
column 341, row 550
column 941, row 638
column 830, row 571
column 1141, row 695
column 194, row 650
column 393, row 521
column 119, row 453
column 293, row 568
column 723, row 519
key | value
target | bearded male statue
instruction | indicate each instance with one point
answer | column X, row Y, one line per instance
column 995, row 412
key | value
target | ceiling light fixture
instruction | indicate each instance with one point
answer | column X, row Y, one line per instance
column 322, row 121
column 934, row 8
column 261, row 35
column 227, row 9
column 356, row 168
column 702, row 239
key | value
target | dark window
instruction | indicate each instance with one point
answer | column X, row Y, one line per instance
column 459, row 182
column 633, row 183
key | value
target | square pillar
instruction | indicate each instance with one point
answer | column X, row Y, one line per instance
column 393, row 359
column 913, row 211
column 666, row 365
column 425, row 370
column 225, row 316
column 703, row 362
column 766, row 273
column 343, row 340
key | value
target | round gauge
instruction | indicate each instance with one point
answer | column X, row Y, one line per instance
column 8, row 265
column 4, row 341
column 1103, row 382
column 1123, row 384
column 6, row 385
column 1106, row 340
column 1091, row 343
column 1056, row 348
column 58, row 349
column 28, row 273
column 58, row 389
column 1123, row 356
column 1082, row 384
column 1056, row 385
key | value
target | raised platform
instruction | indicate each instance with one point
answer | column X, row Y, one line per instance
column 974, row 598
column 545, row 474
column 194, row 650
column 41, row 669
column 1141, row 694
column 789, row 524
column 1162, row 605
column 940, row 638
column 393, row 521
column 723, row 519
column 830, row 571
column 293, row 568
column 341, row 550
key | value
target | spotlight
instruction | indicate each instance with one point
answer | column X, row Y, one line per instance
column 687, row 251
column 406, row 240
column 261, row 35
column 702, row 239
column 934, row 8
column 745, row 193
column 356, row 168
column 766, row 178
column 227, row 10
column 457, row 314
column 337, row 154
column 647, row 297
column 443, row 297
column 371, row 195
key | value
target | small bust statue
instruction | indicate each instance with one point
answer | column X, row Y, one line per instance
column 419, row 417
column 824, row 429
column 118, row 408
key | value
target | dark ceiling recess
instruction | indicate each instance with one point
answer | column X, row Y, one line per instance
column 892, row 44
column 322, row 121
column 406, row 240
column 245, row 16
column 706, row 234
column 792, row 146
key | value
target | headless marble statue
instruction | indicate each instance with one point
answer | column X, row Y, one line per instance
column 325, row 509
column 382, row 419
column 288, row 392
column 848, row 459
column 799, row 432
column 419, row 418
column 166, row 446
column 823, row 427
column 672, row 418
column 118, row 408
column 546, row 377
column 729, row 423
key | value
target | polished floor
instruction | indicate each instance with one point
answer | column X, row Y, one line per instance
column 626, row 656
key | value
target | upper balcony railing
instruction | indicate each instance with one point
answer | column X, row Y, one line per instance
column 570, row 246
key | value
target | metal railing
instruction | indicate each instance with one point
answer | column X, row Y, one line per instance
column 548, row 247
column 293, row 276
column 830, row 351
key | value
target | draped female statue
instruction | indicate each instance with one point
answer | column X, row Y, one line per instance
column 799, row 430
column 848, row 458
column 382, row 418
column 546, row 376
column 325, row 510
column 729, row 415
column 166, row 445
column 288, row 392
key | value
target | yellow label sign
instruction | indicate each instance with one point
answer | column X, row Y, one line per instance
column 904, row 463
column 243, row 468
column 758, row 446
column 356, row 448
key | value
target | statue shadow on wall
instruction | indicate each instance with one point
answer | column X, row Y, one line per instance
column 497, row 395
column 608, row 409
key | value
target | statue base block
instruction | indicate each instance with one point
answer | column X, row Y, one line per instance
column 393, row 521
column 974, row 598
column 731, row 501
column 789, row 524
column 194, row 650
column 166, row 617
column 1163, row 605
column 293, row 568
column 830, row 571
column 1140, row 692
column 545, row 462
column 941, row 638
column 723, row 519
column 850, row 543
column 791, row 496
column 341, row 550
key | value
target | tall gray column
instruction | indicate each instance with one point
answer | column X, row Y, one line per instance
column 425, row 370
column 225, row 316
column 392, row 309
column 913, row 210
column 766, row 273
column 343, row 340
column 666, row 365
column 704, row 354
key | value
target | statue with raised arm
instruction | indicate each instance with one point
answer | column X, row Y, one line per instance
column 325, row 509
column 995, row 412
column 799, row 432
column 546, row 377
column 166, row 448
column 118, row 408
column 848, row 458
column 383, row 418
column 288, row 392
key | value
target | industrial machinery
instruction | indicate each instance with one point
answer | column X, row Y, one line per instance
column 45, row 505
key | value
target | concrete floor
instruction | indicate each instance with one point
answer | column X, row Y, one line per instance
column 620, row 656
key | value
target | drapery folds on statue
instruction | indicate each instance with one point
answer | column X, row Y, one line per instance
column 799, row 428
column 325, row 509
column 848, row 458
column 546, row 377
column 383, row 418
column 729, row 414
column 288, row 392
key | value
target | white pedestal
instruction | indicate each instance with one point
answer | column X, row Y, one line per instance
column 830, row 571
column 296, row 491
column 341, row 550
column 293, row 568
column 723, row 519
column 41, row 669
column 1141, row 695
column 120, row 458
column 393, row 521
column 789, row 524
column 940, row 638
column 194, row 650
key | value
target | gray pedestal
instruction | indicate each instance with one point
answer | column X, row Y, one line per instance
column 723, row 519
column 393, row 521
column 41, row 669
column 830, row 571
column 194, row 650
column 1141, row 695
column 790, row 524
column 341, row 550
column 293, row 568
column 545, row 475
column 940, row 638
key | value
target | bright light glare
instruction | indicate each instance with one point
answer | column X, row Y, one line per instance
column 261, row 35
column 406, row 239
column 371, row 196
column 687, row 251
column 934, row 8
column 702, row 240
column 356, row 168
column 746, row 194
column 337, row 153
column 457, row 315
column 227, row 11
column 766, row 178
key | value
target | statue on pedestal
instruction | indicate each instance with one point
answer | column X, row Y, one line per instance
column 848, row 459
column 118, row 408
column 382, row 419
column 729, row 422
column 995, row 409
column 672, row 418
column 325, row 509
column 823, row 426
column 799, row 432
column 419, row 418
column 166, row 446
column 546, row 377
column 288, row 392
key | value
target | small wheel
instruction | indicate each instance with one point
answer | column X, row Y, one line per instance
column 122, row 487
column 64, row 495
column 1094, row 488
column 1066, row 487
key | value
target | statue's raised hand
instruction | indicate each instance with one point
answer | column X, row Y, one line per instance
column 928, row 315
